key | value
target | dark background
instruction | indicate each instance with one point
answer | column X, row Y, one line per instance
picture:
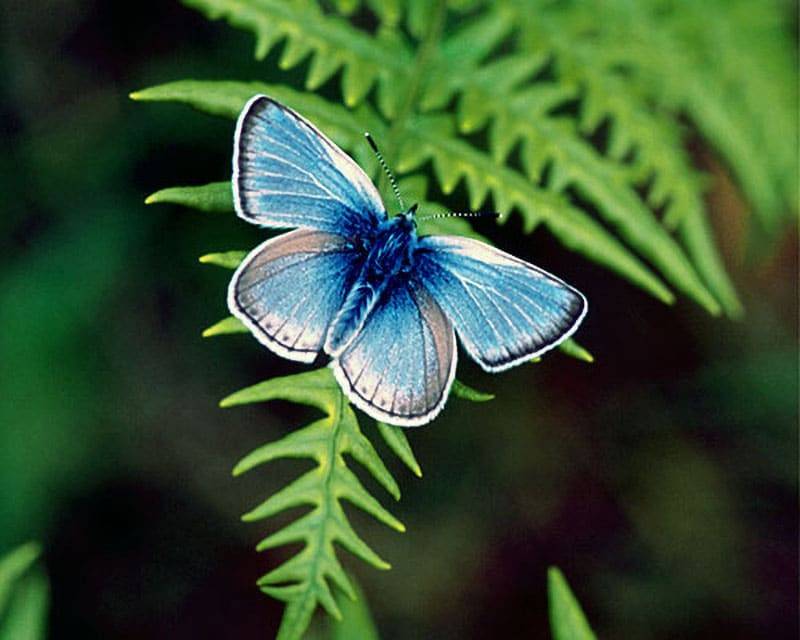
column 661, row 479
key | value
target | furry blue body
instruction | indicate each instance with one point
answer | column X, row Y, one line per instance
column 388, row 258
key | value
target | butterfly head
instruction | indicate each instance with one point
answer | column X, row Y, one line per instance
column 410, row 217
column 405, row 221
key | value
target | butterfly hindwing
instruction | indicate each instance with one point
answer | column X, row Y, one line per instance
column 400, row 366
column 287, row 173
column 505, row 310
column 287, row 290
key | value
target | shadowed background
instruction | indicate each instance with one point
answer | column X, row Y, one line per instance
column 661, row 479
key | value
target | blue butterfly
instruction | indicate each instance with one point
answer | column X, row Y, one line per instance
column 384, row 303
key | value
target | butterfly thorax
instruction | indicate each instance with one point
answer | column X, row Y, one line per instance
column 391, row 251
column 388, row 257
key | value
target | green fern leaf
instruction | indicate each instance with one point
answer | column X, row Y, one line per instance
column 574, row 163
column 346, row 127
column 725, row 64
column 356, row 622
column 736, row 83
column 460, row 55
column 330, row 42
column 24, row 595
column 659, row 154
column 226, row 326
column 432, row 137
column 455, row 63
column 397, row 441
column 661, row 162
column 572, row 348
column 226, row 259
column 215, row 197
column 567, row 621
column 645, row 38
column 462, row 390
column 305, row 581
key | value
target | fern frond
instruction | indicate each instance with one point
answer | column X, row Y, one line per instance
column 660, row 164
column 223, row 98
column 306, row 580
column 24, row 594
column 224, row 327
column 330, row 42
column 659, row 160
column 460, row 54
column 397, row 441
column 584, row 57
column 573, row 163
column 567, row 620
column 389, row 12
column 727, row 65
column 432, row 138
column 215, row 197
column 740, row 90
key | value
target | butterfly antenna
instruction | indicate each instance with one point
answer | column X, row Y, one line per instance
column 386, row 170
column 461, row 214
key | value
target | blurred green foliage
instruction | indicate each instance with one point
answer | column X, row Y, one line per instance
column 566, row 618
column 356, row 620
column 24, row 595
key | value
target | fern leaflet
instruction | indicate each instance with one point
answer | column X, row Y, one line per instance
column 305, row 580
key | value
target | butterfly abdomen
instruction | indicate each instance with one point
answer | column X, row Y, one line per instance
column 352, row 315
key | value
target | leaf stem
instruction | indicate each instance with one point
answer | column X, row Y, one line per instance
column 333, row 447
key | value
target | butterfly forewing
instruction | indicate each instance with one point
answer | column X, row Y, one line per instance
column 286, row 173
column 505, row 310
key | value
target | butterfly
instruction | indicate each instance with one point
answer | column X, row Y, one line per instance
column 350, row 282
